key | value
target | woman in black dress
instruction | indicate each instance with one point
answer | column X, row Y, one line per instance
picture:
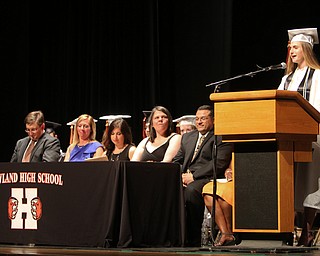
column 118, row 141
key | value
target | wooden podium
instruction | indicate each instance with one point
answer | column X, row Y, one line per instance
column 271, row 130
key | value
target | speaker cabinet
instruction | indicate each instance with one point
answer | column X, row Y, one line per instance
column 257, row 187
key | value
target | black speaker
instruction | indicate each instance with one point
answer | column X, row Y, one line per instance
column 256, row 193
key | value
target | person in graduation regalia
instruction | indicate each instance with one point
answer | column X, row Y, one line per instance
column 303, row 75
column 303, row 68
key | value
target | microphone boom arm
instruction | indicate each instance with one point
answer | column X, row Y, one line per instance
column 251, row 74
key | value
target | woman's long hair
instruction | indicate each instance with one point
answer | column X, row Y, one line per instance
column 92, row 124
column 309, row 56
column 125, row 130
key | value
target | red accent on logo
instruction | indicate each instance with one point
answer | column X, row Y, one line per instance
column 36, row 208
column 12, row 207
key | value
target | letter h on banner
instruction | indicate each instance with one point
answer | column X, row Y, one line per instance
column 24, row 208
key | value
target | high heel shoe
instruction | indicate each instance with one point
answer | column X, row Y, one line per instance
column 227, row 242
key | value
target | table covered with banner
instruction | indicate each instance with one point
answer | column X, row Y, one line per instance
column 92, row 204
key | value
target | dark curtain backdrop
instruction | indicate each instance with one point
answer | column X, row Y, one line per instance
column 121, row 57
column 107, row 57
column 259, row 37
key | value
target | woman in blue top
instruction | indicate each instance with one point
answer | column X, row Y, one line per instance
column 84, row 144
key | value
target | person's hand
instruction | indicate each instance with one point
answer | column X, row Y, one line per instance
column 228, row 174
column 187, row 178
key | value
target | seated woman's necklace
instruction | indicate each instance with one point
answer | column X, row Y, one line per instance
column 120, row 149
column 82, row 144
column 116, row 156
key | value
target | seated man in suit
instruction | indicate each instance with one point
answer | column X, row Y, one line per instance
column 38, row 146
column 196, row 157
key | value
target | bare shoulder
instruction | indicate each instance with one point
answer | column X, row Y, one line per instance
column 143, row 142
column 176, row 138
column 132, row 148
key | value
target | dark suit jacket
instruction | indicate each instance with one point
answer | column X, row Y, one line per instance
column 202, row 165
column 47, row 149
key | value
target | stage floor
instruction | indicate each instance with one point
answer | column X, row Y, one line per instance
column 250, row 248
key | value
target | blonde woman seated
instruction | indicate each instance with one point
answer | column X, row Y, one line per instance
column 118, row 141
column 223, row 208
column 162, row 144
column 84, row 144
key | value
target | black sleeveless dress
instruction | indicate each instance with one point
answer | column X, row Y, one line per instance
column 158, row 154
column 122, row 156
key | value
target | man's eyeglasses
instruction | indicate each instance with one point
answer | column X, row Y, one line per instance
column 32, row 130
column 203, row 118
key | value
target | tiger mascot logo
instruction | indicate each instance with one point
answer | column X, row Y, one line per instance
column 36, row 208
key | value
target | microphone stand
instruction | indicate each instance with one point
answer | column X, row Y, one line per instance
column 214, row 187
column 251, row 74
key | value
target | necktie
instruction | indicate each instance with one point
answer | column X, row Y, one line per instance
column 198, row 146
column 26, row 157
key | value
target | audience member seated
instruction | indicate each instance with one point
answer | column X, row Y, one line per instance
column 51, row 128
column 146, row 124
column 185, row 124
column 38, row 146
column 84, row 143
column 223, row 207
column 147, row 129
column 117, row 141
column 162, row 144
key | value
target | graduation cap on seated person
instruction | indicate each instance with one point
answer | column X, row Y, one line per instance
column 145, row 123
column 146, row 113
column 189, row 120
column 110, row 118
column 51, row 127
column 74, row 121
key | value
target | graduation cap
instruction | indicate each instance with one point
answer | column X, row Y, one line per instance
column 74, row 121
column 146, row 113
column 145, row 123
column 51, row 126
column 186, row 120
column 308, row 35
column 110, row 118
column 188, row 123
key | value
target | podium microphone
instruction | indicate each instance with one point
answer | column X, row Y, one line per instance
column 282, row 65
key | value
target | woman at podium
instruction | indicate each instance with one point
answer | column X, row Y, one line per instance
column 303, row 68
column 303, row 75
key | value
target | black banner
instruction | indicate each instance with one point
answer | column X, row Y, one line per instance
column 96, row 204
